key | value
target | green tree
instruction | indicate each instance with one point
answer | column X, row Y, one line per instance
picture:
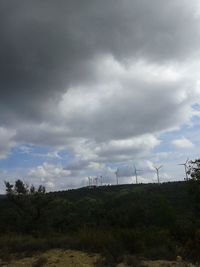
column 28, row 204
column 21, row 188
column 194, row 188
column 9, row 188
column 194, row 170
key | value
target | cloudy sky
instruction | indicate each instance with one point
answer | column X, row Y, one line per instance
column 91, row 86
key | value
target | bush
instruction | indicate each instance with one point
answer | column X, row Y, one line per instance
column 40, row 262
column 133, row 261
column 29, row 244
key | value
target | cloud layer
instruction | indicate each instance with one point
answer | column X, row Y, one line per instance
column 101, row 79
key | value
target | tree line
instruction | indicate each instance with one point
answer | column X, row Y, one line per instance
column 153, row 221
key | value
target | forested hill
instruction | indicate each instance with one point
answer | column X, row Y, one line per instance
column 119, row 205
column 153, row 220
column 169, row 189
column 175, row 193
column 128, row 203
column 142, row 205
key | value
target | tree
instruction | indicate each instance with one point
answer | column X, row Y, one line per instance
column 21, row 188
column 9, row 188
column 194, row 169
column 28, row 204
column 194, row 186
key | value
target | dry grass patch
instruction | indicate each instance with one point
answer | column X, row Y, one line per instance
column 57, row 258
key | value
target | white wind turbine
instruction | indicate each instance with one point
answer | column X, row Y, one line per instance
column 117, row 176
column 157, row 172
column 136, row 173
column 101, row 180
column 96, row 180
column 89, row 181
column 185, row 167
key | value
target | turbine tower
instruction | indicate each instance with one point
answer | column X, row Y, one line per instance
column 157, row 172
column 136, row 174
column 117, row 176
column 89, row 181
column 101, row 179
column 96, row 180
column 185, row 166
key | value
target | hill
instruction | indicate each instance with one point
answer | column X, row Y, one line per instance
column 148, row 220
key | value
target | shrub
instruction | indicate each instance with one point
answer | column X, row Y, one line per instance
column 40, row 262
column 132, row 260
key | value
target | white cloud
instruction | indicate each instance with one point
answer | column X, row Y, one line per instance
column 183, row 143
column 51, row 176
column 135, row 100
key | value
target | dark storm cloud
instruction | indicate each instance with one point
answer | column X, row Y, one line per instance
column 48, row 46
column 39, row 54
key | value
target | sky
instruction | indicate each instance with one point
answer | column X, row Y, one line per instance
column 90, row 86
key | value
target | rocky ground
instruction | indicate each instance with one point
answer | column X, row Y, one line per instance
column 69, row 258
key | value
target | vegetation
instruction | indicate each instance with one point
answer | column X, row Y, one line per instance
column 141, row 221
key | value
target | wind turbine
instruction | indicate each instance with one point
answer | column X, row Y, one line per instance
column 89, row 181
column 96, row 180
column 101, row 179
column 117, row 176
column 185, row 165
column 157, row 171
column 136, row 174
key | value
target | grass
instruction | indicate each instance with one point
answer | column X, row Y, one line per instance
column 56, row 258
column 110, row 243
column 41, row 261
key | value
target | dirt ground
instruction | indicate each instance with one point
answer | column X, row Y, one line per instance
column 167, row 264
column 69, row 258
column 162, row 263
column 56, row 258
